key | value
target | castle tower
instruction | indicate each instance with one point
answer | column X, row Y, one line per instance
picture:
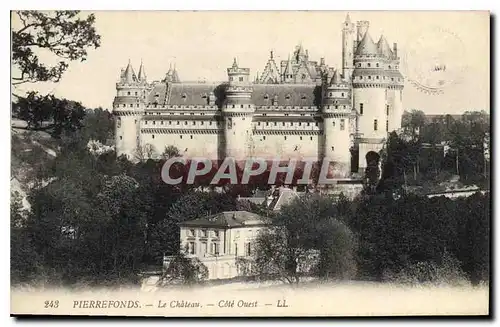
column 394, row 98
column 369, row 84
column 336, row 110
column 128, row 107
column 238, row 110
column 347, row 48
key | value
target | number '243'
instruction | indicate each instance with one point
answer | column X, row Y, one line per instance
column 51, row 304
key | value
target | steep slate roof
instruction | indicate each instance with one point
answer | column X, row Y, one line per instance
column 300, row 94
column 226, row 219
column 194, row 93
column 367, row 46
column 159, row 89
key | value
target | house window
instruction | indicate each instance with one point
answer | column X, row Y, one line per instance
column 375, row 125
column 191, row 136
column 128, row 93
column 215, row 248
column 248, row 249
column 266, row 97
column 184, row 96
column 301, row 138
column 360, row 108
column 264, row 137
column 359, row 65
column 285, row 138
column 191, row 248
column 203, row 233
column 342, row 93
column 131, row 105
column 287, row 97
column 377, row 77
column 178, row 122
column 342, row 124
column 231, row 78
column 180, row 137
column 153, row 136
column 135, row 93
column 203, row 248
column 376, row 64
column 258, row 124
column 311, row 138
column 194, row 123
column 216, row 233
column 369, row 77
column 241, row 79
column 121, row 137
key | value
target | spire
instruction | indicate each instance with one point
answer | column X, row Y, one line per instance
column 142, row 73
column 367, row 46
column 383, row 47
column 235, row 64
column 129, row 73
column 347, row 19
column 289, row 69
column 175, row 76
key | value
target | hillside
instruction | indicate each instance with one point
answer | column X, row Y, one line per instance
column 31, row 151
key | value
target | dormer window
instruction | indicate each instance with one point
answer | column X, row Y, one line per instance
column 303, row 97
column 287, row 97
column 204, row 96
column 184, row 96
column 376, row 65
column 266, row 97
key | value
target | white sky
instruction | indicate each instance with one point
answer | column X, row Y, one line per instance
column 203, row 44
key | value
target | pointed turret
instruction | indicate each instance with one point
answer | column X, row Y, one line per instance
column 235, row 64
column 142, row 73
column 129, row 74
column 347, row 19
column 383, row 47
column 367, row 46
column 336, row 79
column 175, row 75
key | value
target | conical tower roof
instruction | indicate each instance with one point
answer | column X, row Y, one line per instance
column 367, row 46
column 336, row 79
column 129, row 73
column 142, row 73
column 347, row 19
column 383, row 47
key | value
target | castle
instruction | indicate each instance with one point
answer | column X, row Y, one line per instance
column 296, row 108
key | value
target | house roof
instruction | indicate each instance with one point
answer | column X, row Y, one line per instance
column 285, row 197
column 227, row 219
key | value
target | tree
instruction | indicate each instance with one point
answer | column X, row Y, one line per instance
column 184, row 270
column 49, row 113
column 413, row 121
column 61, row 33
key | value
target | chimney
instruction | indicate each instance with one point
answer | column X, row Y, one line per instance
column 395, row 50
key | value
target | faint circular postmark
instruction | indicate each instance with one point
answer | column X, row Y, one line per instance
column 434, row 60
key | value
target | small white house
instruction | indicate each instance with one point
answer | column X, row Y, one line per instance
column 218, row 240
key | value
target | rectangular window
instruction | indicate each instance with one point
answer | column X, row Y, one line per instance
column 241, row 79
column 203, row 248
column 342, row 124
column 191, row 248
column 216, row 233
column 203, row 233
column 360, row 108
column 248, row 249
column 375, row 127
column 191, row 233
column 215, row 249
